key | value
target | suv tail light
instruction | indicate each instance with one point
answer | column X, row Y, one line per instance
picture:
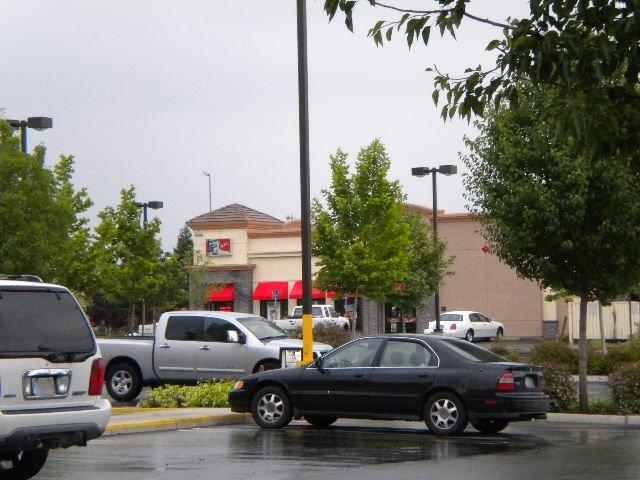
column 96, row 380
column 453, row 326
column 506, row 383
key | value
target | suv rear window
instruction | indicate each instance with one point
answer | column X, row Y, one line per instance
column 36, row 321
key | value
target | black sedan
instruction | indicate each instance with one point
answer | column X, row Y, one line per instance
column 444, row 381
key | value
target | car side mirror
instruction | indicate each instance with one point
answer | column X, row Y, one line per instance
column 319, row 361
column 233, row 337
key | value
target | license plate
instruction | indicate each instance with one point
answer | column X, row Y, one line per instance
column 530, row 383
column 43, row 387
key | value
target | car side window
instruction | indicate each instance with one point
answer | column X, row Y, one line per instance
column 484, row 319
column 474, row 317
column 358, row 354
column 215, row 330
column 316, row 312
column 184, row 328
column 398, row 353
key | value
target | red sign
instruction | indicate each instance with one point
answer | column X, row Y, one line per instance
column 218, row 246
column 485, row 248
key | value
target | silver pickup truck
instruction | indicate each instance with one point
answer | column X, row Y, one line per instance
column 192, row 346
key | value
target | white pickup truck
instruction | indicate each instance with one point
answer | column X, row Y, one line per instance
column 51, row 376
column 195, row 345
column 321, row 315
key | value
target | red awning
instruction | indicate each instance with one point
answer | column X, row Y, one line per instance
column 264, row 290
column 296, row 293
column 227, row 294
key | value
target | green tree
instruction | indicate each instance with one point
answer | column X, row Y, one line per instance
column 588, row 50
column 427, row 267
column 128, row 254
column 42, row 227
column 360, row 239
column 551, row 211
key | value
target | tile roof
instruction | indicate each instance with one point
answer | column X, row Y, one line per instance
column 234, row 213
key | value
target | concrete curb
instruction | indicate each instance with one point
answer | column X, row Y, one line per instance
column 170, row 424
column 629, row 420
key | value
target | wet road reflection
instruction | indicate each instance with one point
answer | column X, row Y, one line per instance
column 359, row 449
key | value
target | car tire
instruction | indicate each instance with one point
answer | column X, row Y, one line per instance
column 264, row 366
column 445, row 414
column 271, row 408
column 320, row 422
column 123, row 382
column 490, row 427
column 499, row 333
column 469, row 335
column 23, row 464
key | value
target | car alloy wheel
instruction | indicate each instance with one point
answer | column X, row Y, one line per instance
column 499, row 334
column 445, row 414
column 469, row 336
column 270, row 408
column 121, row 382
column 22, row 464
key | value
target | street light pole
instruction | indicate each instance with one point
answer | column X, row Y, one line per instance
column 37, row 123
column 208, row 174
column 421, row 172
column 305, row 200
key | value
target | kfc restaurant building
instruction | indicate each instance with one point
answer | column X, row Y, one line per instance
column 252, row 261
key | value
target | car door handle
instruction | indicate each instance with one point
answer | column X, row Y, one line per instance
column 422, row 375
column 164, row 345
column 359, row 375
column 205, row 347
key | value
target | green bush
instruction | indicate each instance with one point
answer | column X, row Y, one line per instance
column 601, row 364
column 204, row 395
column 499, row 348
column 558, row 384
column 555, row 353
column 326, row 333
column 625, row 388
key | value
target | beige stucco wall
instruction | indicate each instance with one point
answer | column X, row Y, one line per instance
column 481, row 282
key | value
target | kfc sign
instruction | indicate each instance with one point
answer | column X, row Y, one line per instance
column 218, row 246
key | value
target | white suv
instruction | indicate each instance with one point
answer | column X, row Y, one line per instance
column 51, row 376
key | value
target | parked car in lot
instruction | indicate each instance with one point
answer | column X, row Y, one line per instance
column 468, row 325
column 444, row 381
column 320, row 315
column 192, row 346
column 51, row 376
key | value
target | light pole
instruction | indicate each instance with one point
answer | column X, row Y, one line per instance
column 37, row 123
column 154, row 204
column 421, row 172
column 208, row 174
column 305, row 199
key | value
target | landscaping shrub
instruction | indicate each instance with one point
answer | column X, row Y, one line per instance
column 555, row 353
column 204, row 395
column 326, row 333
column 558, row 385
column 499, row 348
column 625, row 388
column 601, row 364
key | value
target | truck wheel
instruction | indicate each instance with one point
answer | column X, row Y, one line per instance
column 271, row 408
column 264, row 366
column 22, row 464
column 123, row 382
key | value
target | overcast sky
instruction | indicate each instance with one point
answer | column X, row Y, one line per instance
column 153, row 92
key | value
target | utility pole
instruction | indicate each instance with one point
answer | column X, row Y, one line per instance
column 208, row 174
column 305, row 195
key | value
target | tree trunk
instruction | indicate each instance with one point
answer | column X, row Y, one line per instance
column 583, row 358
column 132, row 320
column 355, row 313
column 601, row 322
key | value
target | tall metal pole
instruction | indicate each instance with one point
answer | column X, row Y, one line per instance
column 210, row 209
column 23, row 136
column 436, row 297
column 305, row 200
column 144, row 215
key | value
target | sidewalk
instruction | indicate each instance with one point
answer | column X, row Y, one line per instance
column 139, row 420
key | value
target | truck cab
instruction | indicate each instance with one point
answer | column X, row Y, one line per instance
column 321, row 315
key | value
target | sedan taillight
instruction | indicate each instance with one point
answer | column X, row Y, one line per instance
column 453, row 326
column 506, row 383
column 96, row 380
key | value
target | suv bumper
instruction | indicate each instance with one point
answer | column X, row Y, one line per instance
column 53, row 428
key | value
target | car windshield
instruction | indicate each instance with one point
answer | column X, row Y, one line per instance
column 315, row 312
column 36, row 321
column 262, row 329
column 470, row 351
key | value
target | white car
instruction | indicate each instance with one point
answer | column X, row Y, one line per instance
column 467, row 325
column 321, row 315
column 51, row 376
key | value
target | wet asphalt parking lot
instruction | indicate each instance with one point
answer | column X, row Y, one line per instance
column 357, row 450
